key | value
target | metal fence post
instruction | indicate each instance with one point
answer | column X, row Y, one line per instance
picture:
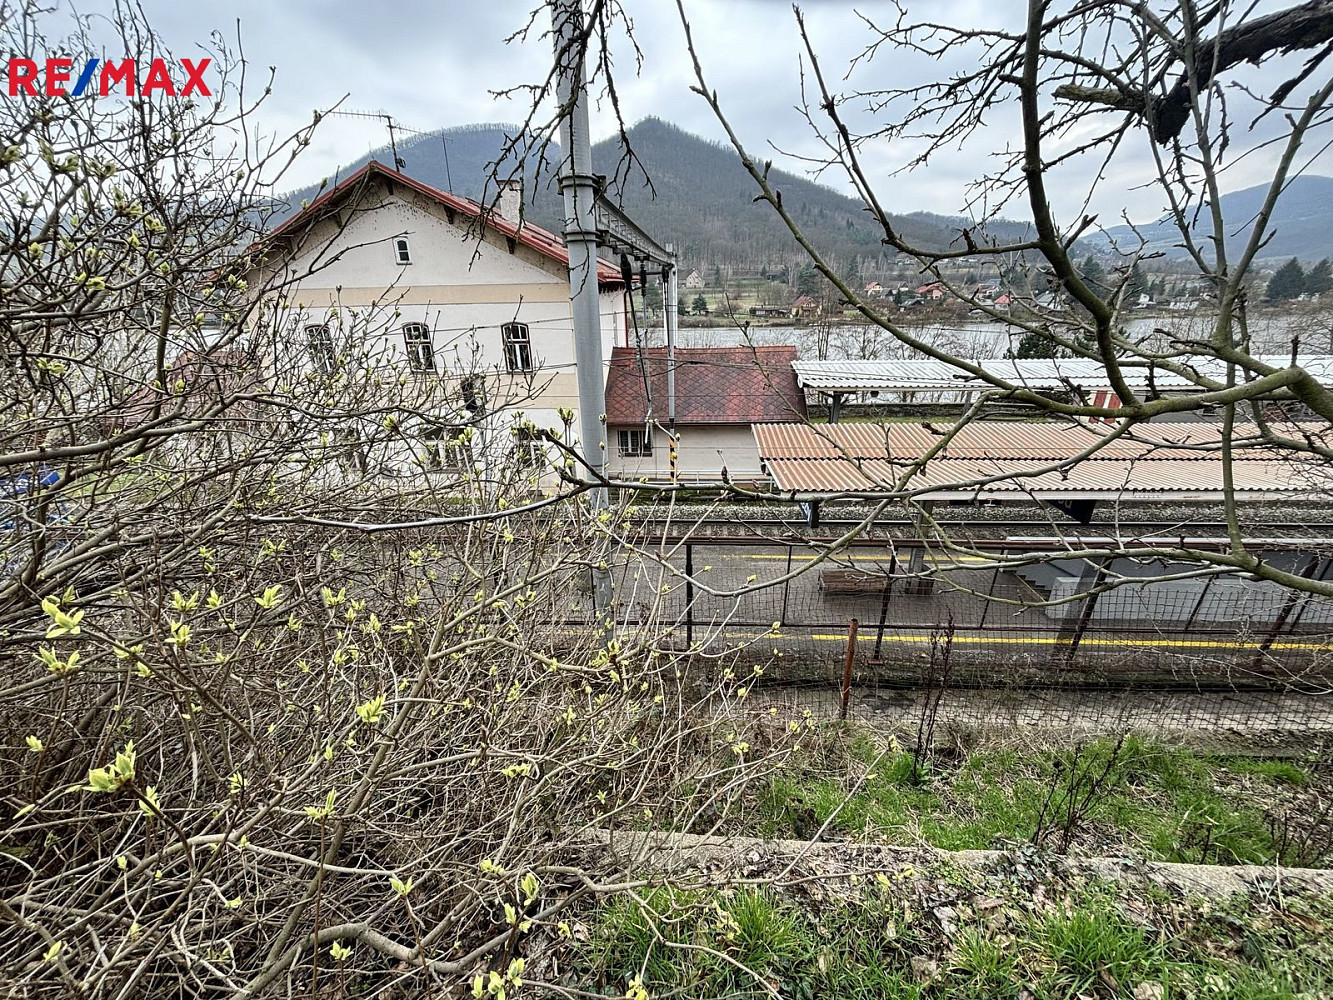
column 786, row 587
column 1092, row 577
column 1281, row 620
column 847, row 668
column 884, row 611
column 689, row 596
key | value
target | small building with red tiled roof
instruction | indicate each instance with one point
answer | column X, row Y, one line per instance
column 385, row 276
column 720, row 392
column 804, row 306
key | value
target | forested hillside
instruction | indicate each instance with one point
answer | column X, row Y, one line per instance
column 700, row 199
column 1301, row 225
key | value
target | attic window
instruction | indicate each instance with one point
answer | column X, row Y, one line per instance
column 402, row 252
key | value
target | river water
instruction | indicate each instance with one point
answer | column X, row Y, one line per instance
column 1272, row 333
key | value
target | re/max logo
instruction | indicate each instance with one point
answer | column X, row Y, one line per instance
column 103, row 78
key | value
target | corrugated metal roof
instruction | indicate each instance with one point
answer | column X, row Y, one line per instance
column 1046, row 441
column 872, row 458
column 921, row 374
column 976, row 478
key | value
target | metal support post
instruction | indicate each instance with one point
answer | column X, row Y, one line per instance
column 916, row 564
column 1293, row 598
column 669, row 295
column 877, row 660
column 1092, row 577
column 847, row 668
column 786, row 588
column 580, row 189
column 689, row 596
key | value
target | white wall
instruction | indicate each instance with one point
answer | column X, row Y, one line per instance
column 461, row 288
column 701, row 452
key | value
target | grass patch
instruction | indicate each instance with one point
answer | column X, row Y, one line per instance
column 875, row 938
column 1103, row 797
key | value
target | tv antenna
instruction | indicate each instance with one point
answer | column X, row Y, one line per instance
column 398, row 162
column 394, row 126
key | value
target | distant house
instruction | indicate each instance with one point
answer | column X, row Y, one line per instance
column 875, row 290
column 720, row 392
column 804, row 307
column 932, row 292
column 695, row 280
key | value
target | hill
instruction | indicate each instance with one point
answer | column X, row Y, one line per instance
column 1302, row 223
column 701, row 199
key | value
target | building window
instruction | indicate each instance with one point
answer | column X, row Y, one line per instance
column 447, row 447
column 320, row 342
column 472, row 390
column 518, row 347
column 401, row 251
column 635, row 443
column 420, row 351
column 527, row 451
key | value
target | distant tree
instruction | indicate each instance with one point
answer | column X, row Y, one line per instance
column 700, row 305
column 717, row 276
column 1287, row 283
column 1035, row 345
column 681, row 308
column 1320, row 278
column 807, row 282
column 1093, row 273
column 1136, row 284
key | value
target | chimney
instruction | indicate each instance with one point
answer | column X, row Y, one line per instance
column 511, row 199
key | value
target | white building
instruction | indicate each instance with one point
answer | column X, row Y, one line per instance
column 468, row 309
column 720, row 392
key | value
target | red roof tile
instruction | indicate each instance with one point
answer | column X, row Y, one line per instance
column 539, row 239
column 714, row 385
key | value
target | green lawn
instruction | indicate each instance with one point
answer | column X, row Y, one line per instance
column 995, row 936
column 1104, row 797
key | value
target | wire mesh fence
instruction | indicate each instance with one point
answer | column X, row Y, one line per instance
column 1062, row 643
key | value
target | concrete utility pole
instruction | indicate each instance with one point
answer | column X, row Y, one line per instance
column 669, row 314
column 580, row 187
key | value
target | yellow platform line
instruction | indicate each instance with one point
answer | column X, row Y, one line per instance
column 1052, row 640
column 868, row 635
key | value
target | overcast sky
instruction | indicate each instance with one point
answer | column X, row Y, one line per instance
column 434, row 64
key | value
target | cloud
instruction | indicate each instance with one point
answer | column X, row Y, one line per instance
column 433, row 65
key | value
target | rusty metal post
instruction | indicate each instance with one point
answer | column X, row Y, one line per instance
column 786, row 587
column 847, row 668
column 689, row 597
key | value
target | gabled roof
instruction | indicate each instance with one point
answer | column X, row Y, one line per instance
column 535, row 237
column 714, row 385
